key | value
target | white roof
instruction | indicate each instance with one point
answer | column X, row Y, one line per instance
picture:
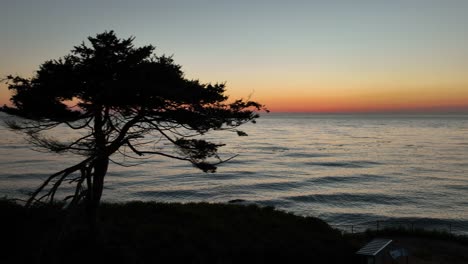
column 374, row 247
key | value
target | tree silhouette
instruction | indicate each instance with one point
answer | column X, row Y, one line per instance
column 119, row 96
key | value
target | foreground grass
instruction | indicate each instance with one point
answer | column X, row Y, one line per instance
column 138, row 232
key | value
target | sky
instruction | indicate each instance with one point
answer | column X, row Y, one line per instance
column 292, row 56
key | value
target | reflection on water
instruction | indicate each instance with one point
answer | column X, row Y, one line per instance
column 345, row 169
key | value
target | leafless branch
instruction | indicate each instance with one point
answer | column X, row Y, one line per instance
column 65, row 172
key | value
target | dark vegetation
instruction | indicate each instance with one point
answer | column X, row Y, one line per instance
column 140, row 232
column 146, row 232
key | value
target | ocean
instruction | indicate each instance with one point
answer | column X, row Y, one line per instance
column 350, row 170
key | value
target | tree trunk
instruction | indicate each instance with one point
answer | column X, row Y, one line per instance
column 95, row 191
column 100, row 170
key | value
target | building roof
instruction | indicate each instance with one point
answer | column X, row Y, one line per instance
column 374, row 247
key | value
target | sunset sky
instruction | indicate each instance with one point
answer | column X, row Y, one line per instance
column 300, row 56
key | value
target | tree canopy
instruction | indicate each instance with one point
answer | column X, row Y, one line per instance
column 118, row 95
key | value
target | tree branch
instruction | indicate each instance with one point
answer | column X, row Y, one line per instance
column 141, row 153
column 66, row 171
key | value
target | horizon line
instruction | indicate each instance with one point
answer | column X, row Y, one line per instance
column 464, row 112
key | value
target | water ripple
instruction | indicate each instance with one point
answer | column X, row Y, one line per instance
column 343, row 164
column 344, row 199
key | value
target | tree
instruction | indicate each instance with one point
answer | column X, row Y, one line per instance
column 119, row 96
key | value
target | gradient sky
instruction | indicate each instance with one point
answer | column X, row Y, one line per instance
column 318, row 56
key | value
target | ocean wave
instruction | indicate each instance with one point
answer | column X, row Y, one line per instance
column 357, row 222
column 276, row 186
column 306, row 155
column 13, row 147
column 349, row 179
column 272, row 148
column 344, row 164
column 185, row 194
column 350, row 199
column 457, row 187
column 31, row 161
column 27, row 176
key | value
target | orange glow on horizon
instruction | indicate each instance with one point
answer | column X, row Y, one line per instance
column 364, row 100
column 336, row 100
column 363, row 104
column 357, row 108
